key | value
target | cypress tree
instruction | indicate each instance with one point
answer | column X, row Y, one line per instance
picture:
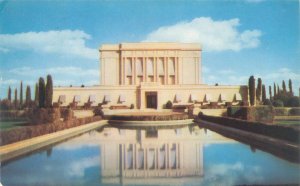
column 283, row 87
column 251, row 85
column 28, row 95
column 21, row 94
column 274, row 87
column 49, row 92
column 258, row 89
column 270, row 92
column 278, row 90
column 9, row 94
column 16, row 98
column 36, row 94
column 263, row 93
column 41, row 92
column 291, row 87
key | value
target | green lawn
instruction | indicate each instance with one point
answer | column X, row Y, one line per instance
column 287, row 122
column 4, row 125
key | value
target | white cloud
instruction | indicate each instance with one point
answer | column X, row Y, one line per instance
column 66, row 71
column 62, row 42
column 8, row 81
column 213, row 35
column 77, row 168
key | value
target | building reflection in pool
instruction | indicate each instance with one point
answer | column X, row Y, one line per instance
column 138, row 156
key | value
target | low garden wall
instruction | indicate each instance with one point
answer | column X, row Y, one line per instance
column 287, row 133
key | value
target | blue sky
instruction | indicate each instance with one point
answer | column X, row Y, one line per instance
column 239, row 38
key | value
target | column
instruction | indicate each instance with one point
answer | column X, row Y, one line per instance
column 133, row 70
column 166, row 68
column 102, row 70
column 176, row 70
column 144, row 69
column 177, row 155
column 155, row 69
column 122, row 71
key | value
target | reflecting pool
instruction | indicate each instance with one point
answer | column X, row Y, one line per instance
column 178, row 156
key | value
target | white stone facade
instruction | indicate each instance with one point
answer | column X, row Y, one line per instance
column 148, row 75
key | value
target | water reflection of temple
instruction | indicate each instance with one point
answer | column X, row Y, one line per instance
column 158, row 155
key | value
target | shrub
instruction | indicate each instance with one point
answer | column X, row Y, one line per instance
column 281, row 111
column 260, row 113
column 294, row 112
column 251, row 85
column 267, row 102
column 5, row 105
column 169, row 105
column 275, row 131
column 278, row 103
column 41, row 92
column 293, row 102
column 98, row 112
column 49, row 92
column 132, row 106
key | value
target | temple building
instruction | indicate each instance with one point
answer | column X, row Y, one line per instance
column 147, row 76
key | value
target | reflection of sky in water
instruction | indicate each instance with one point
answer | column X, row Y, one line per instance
column 77, row 163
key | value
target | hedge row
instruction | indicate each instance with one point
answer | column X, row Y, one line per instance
column 149, row 118
column 258, row 113
column 281, row 111
column 19, row 134
column 288, row 133
column 12, row 114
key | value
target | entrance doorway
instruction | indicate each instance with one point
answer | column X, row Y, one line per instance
column 151, row 100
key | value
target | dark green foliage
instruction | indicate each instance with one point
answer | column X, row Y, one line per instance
column 98, row 112
column 291, row 87
column 251, row 85
column 293, row 102
column 259, row 90
column 21, row 94
column 5, row 104
column 274, row 87
column 274, row 131
column 22, row 133
column 9, row 94
column 258, row 113
column 263, row 93
column 169, row 105
column 278, row 103
column 283, row 87
column 16, row 99
column 28, row 95
column 294, row 112
column 36, row 94
column 280, row 111
column 267, row 102
column 41, row 92
column 270, row 92
column 49, row 92
column 278, row 90
column 132, row 106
